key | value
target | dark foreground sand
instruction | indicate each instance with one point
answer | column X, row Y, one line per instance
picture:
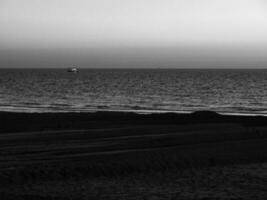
column 108, row 155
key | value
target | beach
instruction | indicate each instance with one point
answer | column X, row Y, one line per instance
column 120, row 155
column 133, row 100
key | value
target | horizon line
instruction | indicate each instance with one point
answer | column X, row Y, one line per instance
column 138, row 68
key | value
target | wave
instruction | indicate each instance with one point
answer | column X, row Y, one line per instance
column 62, row 107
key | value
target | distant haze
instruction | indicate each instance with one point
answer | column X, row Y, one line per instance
column 128, row 33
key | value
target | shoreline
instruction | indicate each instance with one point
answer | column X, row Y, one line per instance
column 137, row 111
column 22, row 121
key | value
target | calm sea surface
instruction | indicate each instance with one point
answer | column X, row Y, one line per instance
column 140, row 90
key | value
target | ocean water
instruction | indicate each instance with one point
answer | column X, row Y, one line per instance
column 140, row 90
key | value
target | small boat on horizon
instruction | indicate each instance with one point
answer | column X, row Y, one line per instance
column 73, row 70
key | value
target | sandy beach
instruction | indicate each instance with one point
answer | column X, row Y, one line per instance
column 115, row 155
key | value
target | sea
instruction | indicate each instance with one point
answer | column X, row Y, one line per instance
column 226, row 91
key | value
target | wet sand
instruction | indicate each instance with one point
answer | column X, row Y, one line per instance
column 113, row 155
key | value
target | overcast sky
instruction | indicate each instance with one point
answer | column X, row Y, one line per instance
column 145, row 33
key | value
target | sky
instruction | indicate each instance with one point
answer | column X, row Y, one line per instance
column 133, row 33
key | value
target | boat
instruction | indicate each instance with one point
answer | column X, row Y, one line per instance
column 73, row 70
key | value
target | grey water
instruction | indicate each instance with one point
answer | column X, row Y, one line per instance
column 237, row 91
